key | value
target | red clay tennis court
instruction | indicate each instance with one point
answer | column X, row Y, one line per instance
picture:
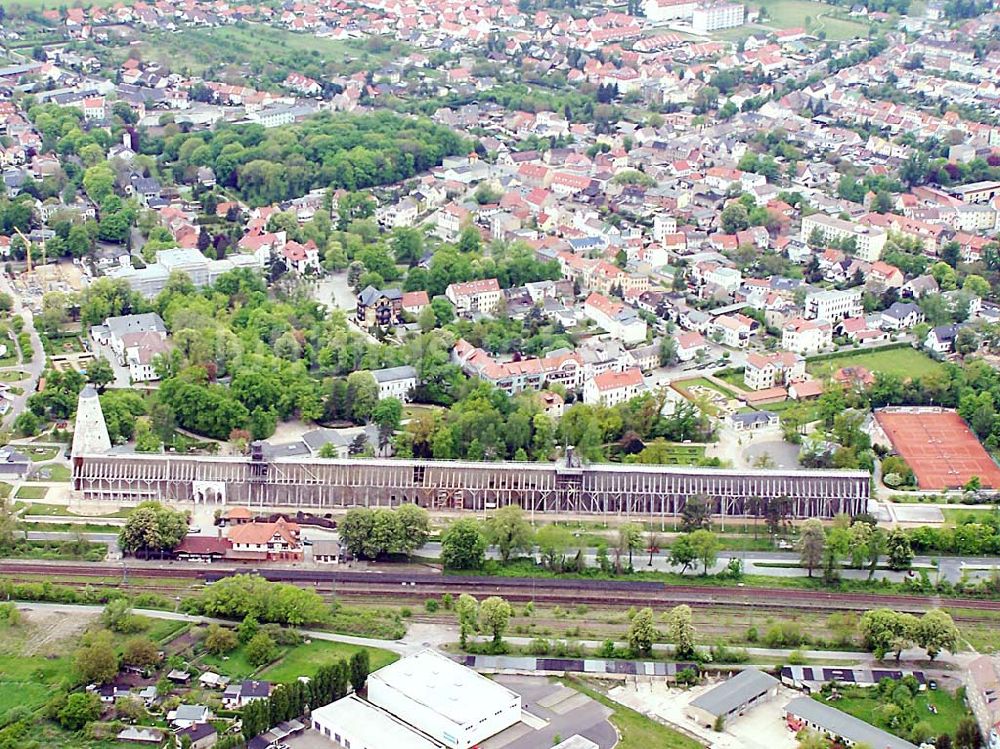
column 940, row 448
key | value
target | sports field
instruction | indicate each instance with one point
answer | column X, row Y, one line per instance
column 939, row 447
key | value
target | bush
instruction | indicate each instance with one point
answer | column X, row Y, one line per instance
column 431, row 604
column 261, row 649
column 539, row 646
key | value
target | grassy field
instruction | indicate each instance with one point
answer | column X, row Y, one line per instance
column 13, row 375
column 788, row 14
column 32, row 492
column 302, row 660
column 705, row 383
column 637, row 731
column 305, row 660
column 199, row 49
column 38, row 454
column 955, row 516
column 902, row 362
column 864, row 704
column 51, row 472
column 733, row 378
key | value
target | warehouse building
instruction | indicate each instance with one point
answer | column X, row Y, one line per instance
column 736, row 696
column 805, row 712
column 423, row 701
column 449, row 702
column 355, row 723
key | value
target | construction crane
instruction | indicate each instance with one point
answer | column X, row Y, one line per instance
column 27, row 247
column 27, row 252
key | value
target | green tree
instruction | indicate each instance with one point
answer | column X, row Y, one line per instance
column 141, row 652
column 261, row 649
column 967, row 735
column 509, row 532
column 734, row 218
column 642, row 632
column 936, row 631
column 706, row 548
column 553, row 541
column 152, row 527
column 463, row 545
column 898, row 550
column 495, row 614
column 415, row 526
column 682, row 552
column 362, row 395
column 220, row 640
column 811, row 545
column 467, row 611
column 80, row 709
column 681, row 631
column 100, row 373
column 96, row 661
column 360, row 668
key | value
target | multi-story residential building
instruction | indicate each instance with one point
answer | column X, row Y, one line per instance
column 764, row 371
column 135, row 341
column 396, row 382
column 379, row 307
column 472, row 297
column 563, row 367
column 611, row 388
column 834, row 304
column 901, row 315
column 982, row 687
column 708, row 18
column 734, row 330
column 868, row 240
column 806, row 336
column 622, row 322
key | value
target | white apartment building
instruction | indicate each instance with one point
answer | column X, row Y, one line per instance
column 763, row 371
column 869, row 240
column 396, row 382
column 611, row 388
column 658, row 11
column 806, row 336
column 622, row 322
column 735, row 330
column 834, row 304
column 706, row 19
column 663, row 225
column 475, row 296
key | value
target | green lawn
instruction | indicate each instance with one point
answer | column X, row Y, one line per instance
column 306, row 659
column 234, row 664
column 38, row 454
column 32, row 492
column 29, row 681
column 955, row 515
column 13, row 375
column 733, row 378
column 903, row 362
column 705, row 383
column 864, row 704
column 788, row 14
column 637, row 731
column 51, row 472
column 682, row 455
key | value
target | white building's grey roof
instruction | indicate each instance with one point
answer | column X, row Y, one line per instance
column 393, row 374
column 841, row 724
column 145, row 323
column 735, row 692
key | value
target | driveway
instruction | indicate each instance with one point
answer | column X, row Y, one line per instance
column 37, row 365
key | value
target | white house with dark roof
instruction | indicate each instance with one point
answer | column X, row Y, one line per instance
column 396, row 382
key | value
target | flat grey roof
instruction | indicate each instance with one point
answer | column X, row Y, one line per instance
column 735, row 692
column 841, row 724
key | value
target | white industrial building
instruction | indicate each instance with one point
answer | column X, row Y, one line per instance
column 355, row 723
column 425, row 700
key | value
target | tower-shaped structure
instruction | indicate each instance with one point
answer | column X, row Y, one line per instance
column 90, row 436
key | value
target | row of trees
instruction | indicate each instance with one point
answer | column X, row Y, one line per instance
column 860, row 543
column 371, row 534
column 290, row 700
column 885, row 631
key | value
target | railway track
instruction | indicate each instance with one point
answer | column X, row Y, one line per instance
column 562, row 591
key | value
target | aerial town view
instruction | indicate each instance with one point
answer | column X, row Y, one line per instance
column 500, row 374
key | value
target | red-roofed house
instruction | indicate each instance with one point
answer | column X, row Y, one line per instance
column 270, row 541
column 611, row 388
column 415, row 301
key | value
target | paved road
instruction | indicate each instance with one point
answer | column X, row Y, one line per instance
column 37, row 365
